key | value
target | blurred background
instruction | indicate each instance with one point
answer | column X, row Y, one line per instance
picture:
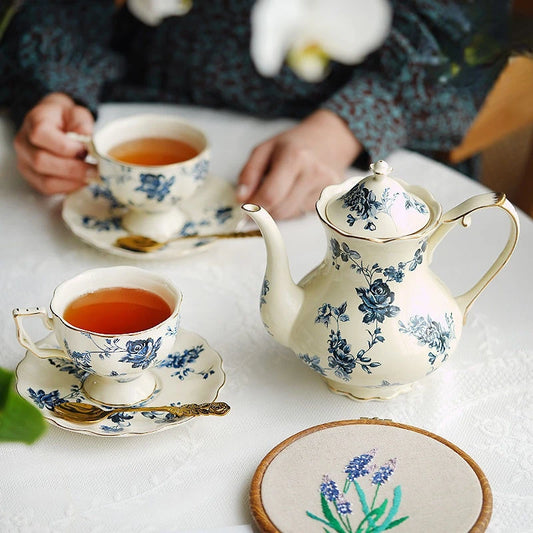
column 502, row 134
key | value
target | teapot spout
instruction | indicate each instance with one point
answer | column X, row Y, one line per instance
column 281, row 298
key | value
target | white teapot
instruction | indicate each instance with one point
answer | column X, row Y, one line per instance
column 373, row 318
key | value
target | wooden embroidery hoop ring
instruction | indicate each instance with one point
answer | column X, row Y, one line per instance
column 265, row 524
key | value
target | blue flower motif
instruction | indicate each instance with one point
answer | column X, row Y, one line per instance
column 329, row 488
column 363, row 201
column 435, row 337
column 121, row 417
column 343, row 251
column 66, row 366
column 357, row 467
column 200, row 170
column 417, row 260
column 338, row 345
column 45, row 399
column 264, row 291
column 223, row 214
column 103, row 192
column 394, row 274
column 431, row 333
column 112, row 429
column 159, row 417
column 335, row 248
column 155, row 185
column 101, row 224
column 343, row 505
column 312, row 362
column 341, row 359
column 384, row 472
column 324, row 314
column 411, row 202
column 377, row 302
column 181, row 361
column 82, row 359
column 141, row 352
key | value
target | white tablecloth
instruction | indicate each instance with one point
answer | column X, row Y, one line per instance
column 197, row 476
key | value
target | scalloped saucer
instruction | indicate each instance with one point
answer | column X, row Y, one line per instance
column 192, row 373
column 94, row 216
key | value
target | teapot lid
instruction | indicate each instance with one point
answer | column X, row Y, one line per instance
column 378, row 206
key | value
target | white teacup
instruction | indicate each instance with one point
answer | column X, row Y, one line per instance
column 153, row 194
column 118, row 365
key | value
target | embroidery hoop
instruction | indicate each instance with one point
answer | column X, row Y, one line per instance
column 269, row 520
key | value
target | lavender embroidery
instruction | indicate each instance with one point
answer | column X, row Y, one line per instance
column 338, row 511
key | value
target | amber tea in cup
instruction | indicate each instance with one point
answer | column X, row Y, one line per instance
column 114, row 324
column 152, row 164
column 153, row 151
column 117, row 310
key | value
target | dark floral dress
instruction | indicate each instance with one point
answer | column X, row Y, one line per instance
column 420, row 90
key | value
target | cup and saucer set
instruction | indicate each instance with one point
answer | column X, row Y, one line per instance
column 128, row 375
column 154, row 182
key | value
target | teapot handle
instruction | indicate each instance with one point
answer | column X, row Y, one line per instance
column 461, row 214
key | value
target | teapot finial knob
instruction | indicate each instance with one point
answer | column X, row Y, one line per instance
column 381, row 168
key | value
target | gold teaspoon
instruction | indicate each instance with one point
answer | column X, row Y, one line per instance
column 87, row 413
column 139, row 243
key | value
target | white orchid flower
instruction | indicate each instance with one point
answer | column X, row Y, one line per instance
column 152, row 12
column 309, row 33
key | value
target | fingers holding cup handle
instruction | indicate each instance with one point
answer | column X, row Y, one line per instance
column 26, row 341
column 87, row 141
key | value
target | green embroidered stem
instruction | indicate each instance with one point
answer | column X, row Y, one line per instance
column 346, row 485
column 346, row 523
column 375, row 496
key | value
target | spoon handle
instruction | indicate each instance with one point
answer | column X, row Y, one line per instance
column 231, row 235
column 193, row 409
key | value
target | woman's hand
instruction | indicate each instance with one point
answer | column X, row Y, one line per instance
column 48, row 159
column 286, row 173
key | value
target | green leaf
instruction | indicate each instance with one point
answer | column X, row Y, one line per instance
column 397, row 522
column 20, row 421
column 378, row 512
column 362, row 497
column 314, row 517
column 328, row 515
column 396, row 500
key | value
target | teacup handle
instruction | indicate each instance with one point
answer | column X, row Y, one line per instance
column 25, row 339
column 87, row 141
column 461, row 214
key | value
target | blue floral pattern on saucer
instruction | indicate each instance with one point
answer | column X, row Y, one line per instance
column 191, row 373
column 94, row 215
